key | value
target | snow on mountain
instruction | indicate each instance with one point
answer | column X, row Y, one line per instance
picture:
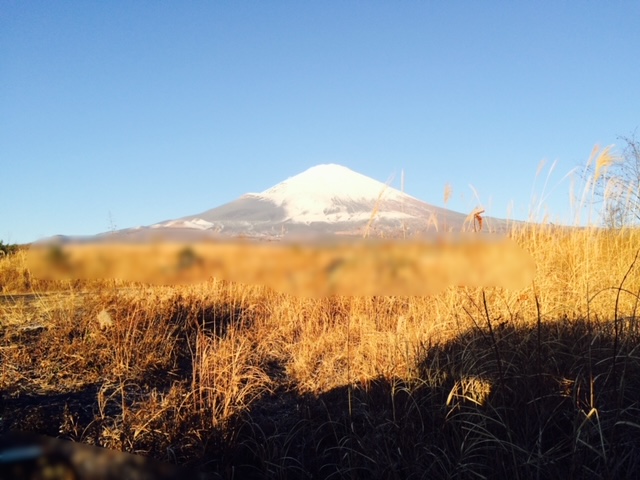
column 195, row 223
column 331, row 193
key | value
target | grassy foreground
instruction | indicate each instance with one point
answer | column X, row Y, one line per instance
column 243, row 382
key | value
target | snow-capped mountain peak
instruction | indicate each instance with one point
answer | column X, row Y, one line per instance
column 327, row 182
column 323, row 200
column 328, row 193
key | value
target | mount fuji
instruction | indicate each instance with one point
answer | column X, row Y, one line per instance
column 324, row 200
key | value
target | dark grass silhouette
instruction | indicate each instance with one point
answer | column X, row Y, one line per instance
column 555, row 411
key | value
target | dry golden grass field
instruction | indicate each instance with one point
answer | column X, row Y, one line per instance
column 241, row 381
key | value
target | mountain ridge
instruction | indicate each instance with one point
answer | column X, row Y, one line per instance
column 330, row 199
column 323, row 201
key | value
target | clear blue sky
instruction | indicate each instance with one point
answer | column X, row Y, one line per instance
column 130, row 113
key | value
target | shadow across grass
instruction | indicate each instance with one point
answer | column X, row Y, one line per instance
column 554, row 400
column 544, row 401
column 44, row 413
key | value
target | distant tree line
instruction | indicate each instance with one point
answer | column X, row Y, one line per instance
column 8, row 248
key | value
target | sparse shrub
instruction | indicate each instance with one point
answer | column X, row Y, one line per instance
column 8, row 248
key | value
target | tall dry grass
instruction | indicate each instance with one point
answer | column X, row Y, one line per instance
column 245, row 382
column 540, row 380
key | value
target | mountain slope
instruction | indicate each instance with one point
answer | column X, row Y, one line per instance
column 326, row 199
